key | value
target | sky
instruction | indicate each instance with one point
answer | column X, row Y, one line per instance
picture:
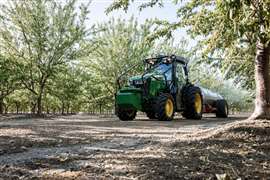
column 168, row 12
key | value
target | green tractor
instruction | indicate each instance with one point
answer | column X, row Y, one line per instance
column 164, row 89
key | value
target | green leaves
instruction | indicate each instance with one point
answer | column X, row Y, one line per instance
column 119, row 44
column 41, row 37
column 119, row 4
column 8, row 77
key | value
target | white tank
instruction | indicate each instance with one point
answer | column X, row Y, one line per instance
column 209, row 97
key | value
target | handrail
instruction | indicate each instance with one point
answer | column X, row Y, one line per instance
column 124, row 73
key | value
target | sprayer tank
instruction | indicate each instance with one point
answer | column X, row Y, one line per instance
column 210, row 97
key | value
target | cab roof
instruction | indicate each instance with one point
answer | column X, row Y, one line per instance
column 172, row 58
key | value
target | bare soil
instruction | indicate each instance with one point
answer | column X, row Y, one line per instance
column 92, row 147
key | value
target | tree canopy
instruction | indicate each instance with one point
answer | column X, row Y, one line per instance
column 41, row 37
column 50, row 62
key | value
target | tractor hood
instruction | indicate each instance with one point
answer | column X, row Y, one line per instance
column 151, row 84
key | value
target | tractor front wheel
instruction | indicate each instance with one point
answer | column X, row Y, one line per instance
column 126, row 114
column 164, row 107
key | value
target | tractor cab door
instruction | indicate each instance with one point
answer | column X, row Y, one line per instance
column 180, row 82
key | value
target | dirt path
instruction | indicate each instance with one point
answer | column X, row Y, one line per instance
column 83, row 146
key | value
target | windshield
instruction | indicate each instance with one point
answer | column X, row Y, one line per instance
column 164, row 68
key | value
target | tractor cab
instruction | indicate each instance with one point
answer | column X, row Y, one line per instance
column 173, row 69
column 160, row 65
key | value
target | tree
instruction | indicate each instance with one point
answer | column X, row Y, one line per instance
column 227, row 25
column 17, row 101
column 169, row 46
column 119, row 44
column 41, row 36
column 66, row 88
column 8, row 81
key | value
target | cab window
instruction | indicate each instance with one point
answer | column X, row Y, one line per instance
column 180, row 75
column 165, row 69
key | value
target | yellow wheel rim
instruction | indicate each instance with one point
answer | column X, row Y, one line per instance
column 198, row 103
column 169, row 108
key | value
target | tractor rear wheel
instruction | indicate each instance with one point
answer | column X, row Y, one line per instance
column 126, row 114
column 164, row 107
column 222, row 109
column 193, row 100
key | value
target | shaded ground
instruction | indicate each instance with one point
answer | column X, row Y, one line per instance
column 89, row 147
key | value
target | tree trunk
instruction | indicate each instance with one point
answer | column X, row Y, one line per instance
column 68, row 108
column 17, row 107
column 39, row 104
column 63, row 108
column 6, row 108
column 41, row 92
column 262, row 102
column 1, row 105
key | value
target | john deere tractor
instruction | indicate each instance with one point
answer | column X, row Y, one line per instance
column 164, row 89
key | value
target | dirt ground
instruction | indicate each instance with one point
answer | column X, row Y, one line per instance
column 92, row 147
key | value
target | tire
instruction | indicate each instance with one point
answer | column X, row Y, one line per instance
column 222, row 109
column 151, row 115
column 164, row 107
column 193, row 102
column 126, row 114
